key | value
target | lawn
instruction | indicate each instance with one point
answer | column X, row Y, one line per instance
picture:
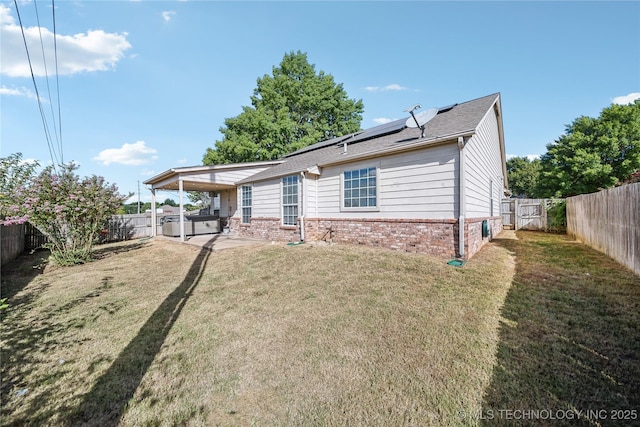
column 158, row 333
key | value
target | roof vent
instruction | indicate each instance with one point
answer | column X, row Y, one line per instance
column 420, row 120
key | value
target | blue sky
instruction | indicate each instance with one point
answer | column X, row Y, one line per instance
column 145, row 85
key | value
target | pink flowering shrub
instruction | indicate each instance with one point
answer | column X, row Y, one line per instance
column 15, row 174
column 70, row 211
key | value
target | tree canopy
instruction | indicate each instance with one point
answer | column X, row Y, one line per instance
column 291, row 109
column 523, row 176
column 593, row 154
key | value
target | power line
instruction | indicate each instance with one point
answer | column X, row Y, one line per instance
column 33, row 78
column 46, row 74
column 55, row 51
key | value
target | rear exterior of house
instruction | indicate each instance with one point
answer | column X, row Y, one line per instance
column 388, row 186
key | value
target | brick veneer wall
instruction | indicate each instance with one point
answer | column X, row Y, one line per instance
column 473, row 234
column 266, row 228
column 436, row 237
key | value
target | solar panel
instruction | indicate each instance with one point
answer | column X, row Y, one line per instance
column 318, row 145
column 385, row 129
column 447, row 108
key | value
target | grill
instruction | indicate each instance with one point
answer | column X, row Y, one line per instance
column 193, row 225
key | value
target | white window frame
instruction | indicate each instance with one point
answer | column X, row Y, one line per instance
column 346, row 189
column 243, row 204
column 288, row 203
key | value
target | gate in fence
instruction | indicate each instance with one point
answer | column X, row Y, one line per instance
column 527, row 214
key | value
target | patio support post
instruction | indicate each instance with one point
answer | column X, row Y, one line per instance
column 180, row 194
column 154, row 216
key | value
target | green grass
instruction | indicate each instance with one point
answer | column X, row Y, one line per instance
column 157, row 333
column 570, row 337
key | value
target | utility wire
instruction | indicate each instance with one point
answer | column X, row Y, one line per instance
column 33, row 78
column 46, row 75
column 55, row 50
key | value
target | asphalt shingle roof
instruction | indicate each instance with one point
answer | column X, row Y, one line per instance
column 461, row 118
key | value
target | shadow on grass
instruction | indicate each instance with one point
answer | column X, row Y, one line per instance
column 106, row 402
column 21, row 271
column 569, row 350
column 28, row 339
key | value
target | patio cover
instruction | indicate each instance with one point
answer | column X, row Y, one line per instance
column 201, row 178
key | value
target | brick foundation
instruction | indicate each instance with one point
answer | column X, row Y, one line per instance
column 267, row 229
column 436, row 237
column 473, row 233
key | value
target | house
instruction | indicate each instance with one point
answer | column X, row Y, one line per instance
column 435, row 189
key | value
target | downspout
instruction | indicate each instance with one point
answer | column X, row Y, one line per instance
column 461, row 193
column 302, row 206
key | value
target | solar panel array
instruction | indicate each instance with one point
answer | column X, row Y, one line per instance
column 321, row 144
column 374, row 132
column 385, row 129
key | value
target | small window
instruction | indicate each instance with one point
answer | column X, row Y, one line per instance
column 360, row 189
column 290, row 200
column 246, row 204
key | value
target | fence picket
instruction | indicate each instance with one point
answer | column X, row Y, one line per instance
column 608, row 221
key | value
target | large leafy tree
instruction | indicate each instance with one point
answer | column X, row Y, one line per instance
column 291, row 109
column 523, row 176
column 595, row 153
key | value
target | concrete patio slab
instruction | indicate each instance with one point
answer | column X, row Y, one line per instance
column 217, row 242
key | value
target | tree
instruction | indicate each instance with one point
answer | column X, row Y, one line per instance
column 293, row 108
column 523, row 176
column 70, row 211
column 595, row 153
column 14, row 174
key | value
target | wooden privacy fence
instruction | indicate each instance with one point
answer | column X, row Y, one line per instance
column 608, row 221
column 16, row 239
column 11, row 242
column 528, row 214
column 130, row 226
column 33, row 238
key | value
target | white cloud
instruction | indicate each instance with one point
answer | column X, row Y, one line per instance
column 182, row 161
column 167, row 15
column 382, row 120
column 129, row 154
column 147, row 172
column 18, row 91
column 94, row 50
column 626, row 99
column 393, row 86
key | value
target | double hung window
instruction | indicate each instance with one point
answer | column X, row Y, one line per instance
column 360, row 189
column 290, row 200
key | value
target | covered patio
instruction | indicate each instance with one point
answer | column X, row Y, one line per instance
column 220, row 179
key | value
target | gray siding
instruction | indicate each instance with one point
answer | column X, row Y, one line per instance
column 311, row 196
column 412, row 185
column 228, row 203
column 483, row 170
column 266, row 199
